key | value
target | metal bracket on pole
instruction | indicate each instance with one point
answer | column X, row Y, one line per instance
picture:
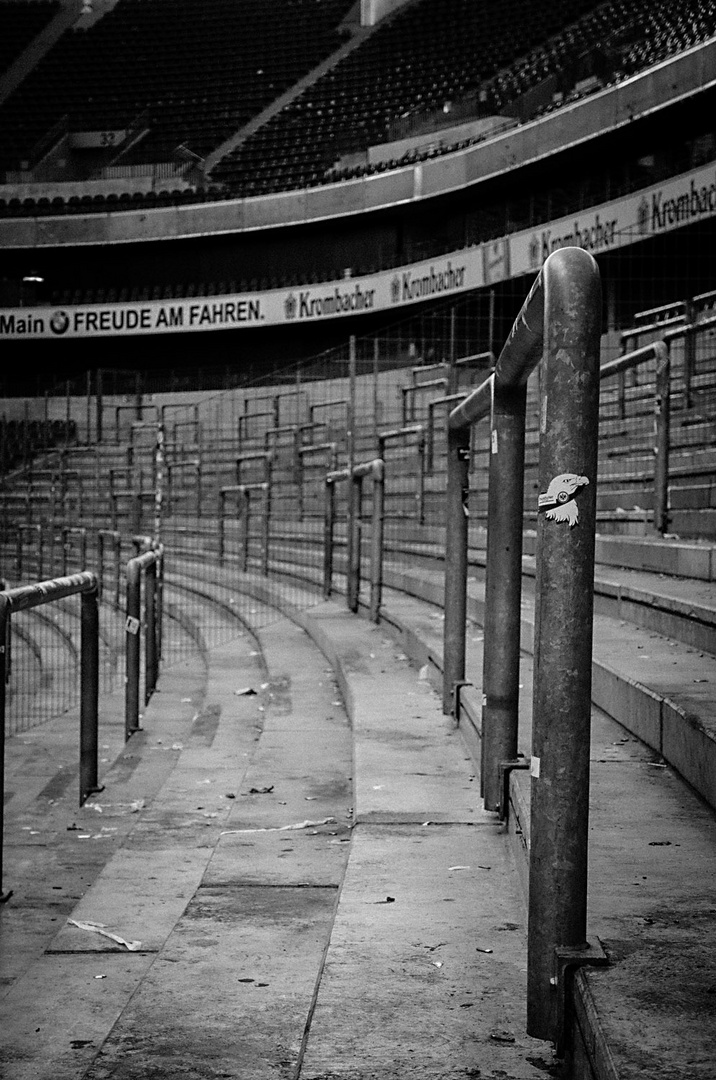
column 567, row 961
column 456, row 692
column 505, row 768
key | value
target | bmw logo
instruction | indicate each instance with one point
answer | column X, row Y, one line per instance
column 59, row 322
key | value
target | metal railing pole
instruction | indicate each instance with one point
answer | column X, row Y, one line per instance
column 4, row 627
column 245, row 532
column 266, row 521
column 329, row 517
column 89, row 689
column 564, row 592
column 376, row 541
column 503, row 589
column 151, row 666
column 159, row 605
column 132, row 626
column 420, row 494
column 662, row 437
column 456, row 522
column 689, row 363
column 222, row 524
column 355, row 498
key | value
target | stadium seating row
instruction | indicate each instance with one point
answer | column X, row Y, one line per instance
column 19, row 24
column 194, row 81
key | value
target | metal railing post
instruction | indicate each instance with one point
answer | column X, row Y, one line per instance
column 266, row 520
column 658, row 351
column 159, row 605
column 662, row 438
column 376, row 541
column 136, row 511
column 151, row 666
column 355, row 497
column 89, row 690
column 420, row 494
column 563, row 628
column 4, row 626
column 329, row 517
column 222, row 524
column 132, row 628
column 503, row 587
column 689, row 361
column 560, row 323
column 456, row 522
column 246, row 499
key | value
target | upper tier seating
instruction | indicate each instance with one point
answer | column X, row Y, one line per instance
column 196, row 80
column 199, row 70
column 20, row 22
column 427, row 58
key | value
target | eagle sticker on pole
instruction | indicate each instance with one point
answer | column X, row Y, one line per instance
column 558, row 501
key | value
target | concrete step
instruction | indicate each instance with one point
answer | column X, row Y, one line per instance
column 632, row 868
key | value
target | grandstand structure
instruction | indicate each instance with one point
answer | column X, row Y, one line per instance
column 281, row 288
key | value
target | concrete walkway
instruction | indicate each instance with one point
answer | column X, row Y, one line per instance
column 302, row 880
column 314, row 890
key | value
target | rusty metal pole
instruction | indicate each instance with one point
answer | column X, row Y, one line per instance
column 266, row 520
column 132, row 629
column 159, row 604
column 503, row 588
column 355, row 503
column 376, row 541
column 89, row 689
column 563, row 628
column 222, row 524
column 329, row 514
column 420, row 497
column 4, row 635
column 662, row 425
column 246, row 506
column 151, row 666
column 456, row 523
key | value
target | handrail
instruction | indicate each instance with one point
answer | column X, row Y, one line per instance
column 136, row 405
column 31, row 596
column 448, row 399
column 326, row 405
column 560, row 323
column 302, row 452
column 405, row 433
column 244, row 493
column 113, row 538
column 81, row 533
column 659, row 351
column 148, row 565
column 355, row 476
column 173, row 466
column 244, row 419
column 416, row 388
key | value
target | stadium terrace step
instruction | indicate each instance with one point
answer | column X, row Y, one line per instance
column 53, row 850
column 652, row 665
column 648, row 831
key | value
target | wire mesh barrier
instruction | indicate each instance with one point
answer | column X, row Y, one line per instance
column 144, row 585
column 41, row 668
column 167, row 467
